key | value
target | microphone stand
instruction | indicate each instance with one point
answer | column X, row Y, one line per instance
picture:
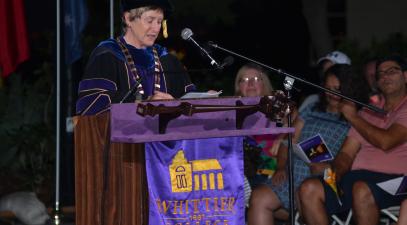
column 288, row 84
column 132, row 91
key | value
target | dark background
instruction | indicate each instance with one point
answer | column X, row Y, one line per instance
column 273, row 32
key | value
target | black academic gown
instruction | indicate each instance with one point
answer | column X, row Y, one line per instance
column 107, row 78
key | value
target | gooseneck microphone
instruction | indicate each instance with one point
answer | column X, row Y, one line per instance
column 227, row 62
column 131, row 91
column 186, row 34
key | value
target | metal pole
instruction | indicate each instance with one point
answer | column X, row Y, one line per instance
column 58, row 93
column 288, row 85
column 111, row 19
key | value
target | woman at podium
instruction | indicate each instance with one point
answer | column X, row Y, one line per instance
column 132, row 66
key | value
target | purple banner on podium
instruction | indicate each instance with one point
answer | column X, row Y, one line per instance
column 129, row 127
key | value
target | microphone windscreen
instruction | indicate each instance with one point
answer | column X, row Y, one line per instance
column 228, row 61
column 186, row 33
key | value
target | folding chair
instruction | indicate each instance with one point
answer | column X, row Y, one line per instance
column 392, row 213
column 335, row 219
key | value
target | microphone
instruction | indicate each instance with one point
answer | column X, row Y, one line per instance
column 131, row 91
column 186, row 34
column 212, row 44
column 227, row 62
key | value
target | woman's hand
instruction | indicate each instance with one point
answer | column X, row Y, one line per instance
column 158, row 95
column 276, row 145
column 279, row 177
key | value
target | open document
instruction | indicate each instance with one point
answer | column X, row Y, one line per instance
column 313, row 150
column 396, row 186
column 212, row 94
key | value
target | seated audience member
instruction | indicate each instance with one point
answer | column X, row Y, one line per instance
column 251, row 81
column 374, row 151
column 323, row 118
column 403, row 213
column 324, row 63
column 369, row 72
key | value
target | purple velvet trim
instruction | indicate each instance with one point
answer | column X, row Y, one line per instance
column 92, row 104
column 114, row 48
column 190, row 87
column 97, row 83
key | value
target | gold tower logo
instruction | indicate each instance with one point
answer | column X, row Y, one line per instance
column 197, row 175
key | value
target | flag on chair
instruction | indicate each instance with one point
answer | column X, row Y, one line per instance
column 196, row 182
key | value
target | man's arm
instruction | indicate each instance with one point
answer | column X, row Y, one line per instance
column 344, row 159
column 384, row 139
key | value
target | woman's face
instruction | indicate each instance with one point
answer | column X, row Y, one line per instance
column 251, row 83
column 144, row 30
column 332, row 83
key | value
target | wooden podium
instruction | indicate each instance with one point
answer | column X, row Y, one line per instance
column 110, row 178
column 114, row 196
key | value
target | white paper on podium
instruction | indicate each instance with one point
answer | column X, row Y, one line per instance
column 394, row 186
column 190, row 95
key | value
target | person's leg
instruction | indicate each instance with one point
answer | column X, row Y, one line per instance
column 364, row 207
column 403, row 213
column 367, row 197
column 312, row 201
column 281, row 214
column 263, row 203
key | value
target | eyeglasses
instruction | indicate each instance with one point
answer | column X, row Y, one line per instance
column 390, row 71
column 248, row 79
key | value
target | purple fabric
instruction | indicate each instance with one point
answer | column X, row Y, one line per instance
column 96, row 99
column 129, row 127
column 93, row 103
column 177, row 172
column 97, row 83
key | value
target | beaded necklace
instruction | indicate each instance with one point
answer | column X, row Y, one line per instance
column 133, row 69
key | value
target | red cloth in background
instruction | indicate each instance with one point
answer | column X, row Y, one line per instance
column 14, row 47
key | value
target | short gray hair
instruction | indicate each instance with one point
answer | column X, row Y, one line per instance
column 136, row 13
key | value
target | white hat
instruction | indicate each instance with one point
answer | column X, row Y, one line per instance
column 336, row 57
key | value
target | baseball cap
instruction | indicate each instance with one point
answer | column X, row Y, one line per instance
column 336, row 57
